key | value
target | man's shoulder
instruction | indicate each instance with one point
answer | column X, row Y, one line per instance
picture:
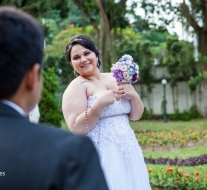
column 56, row 134
column 52, row 130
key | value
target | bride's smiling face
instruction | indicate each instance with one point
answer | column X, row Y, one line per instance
column 83, row 60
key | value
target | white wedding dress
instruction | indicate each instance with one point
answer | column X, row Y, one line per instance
column 119, row 152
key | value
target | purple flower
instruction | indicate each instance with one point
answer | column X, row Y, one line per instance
column 134, row 79
column 118, row 74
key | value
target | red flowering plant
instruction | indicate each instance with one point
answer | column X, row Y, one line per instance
column 174, row 178
column 125, row 70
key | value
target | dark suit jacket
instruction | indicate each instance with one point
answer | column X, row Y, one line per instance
column 39, row 157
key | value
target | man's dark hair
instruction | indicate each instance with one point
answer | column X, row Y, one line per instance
column 21, row 46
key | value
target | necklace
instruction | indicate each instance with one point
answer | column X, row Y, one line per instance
column 99, row 129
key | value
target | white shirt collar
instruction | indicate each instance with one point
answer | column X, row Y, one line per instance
column 14, row 106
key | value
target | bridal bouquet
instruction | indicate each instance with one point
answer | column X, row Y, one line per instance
column 125, row 70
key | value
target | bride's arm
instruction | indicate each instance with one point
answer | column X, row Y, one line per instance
column 137, row 108
column 74, row 106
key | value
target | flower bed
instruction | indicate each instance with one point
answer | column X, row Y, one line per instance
column 175, row 178
column 192, row 161
column 171, row 139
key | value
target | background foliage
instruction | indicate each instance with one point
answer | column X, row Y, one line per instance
column 117, row 29
column 48, row 104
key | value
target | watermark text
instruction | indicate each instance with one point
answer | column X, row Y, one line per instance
column 2, row 174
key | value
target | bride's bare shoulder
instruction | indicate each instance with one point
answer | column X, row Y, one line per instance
column 75, row 84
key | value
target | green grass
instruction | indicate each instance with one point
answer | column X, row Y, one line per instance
column 180, row 153
column 64, row 126
column 187, row 169
column 161, row 126
column 171, row 125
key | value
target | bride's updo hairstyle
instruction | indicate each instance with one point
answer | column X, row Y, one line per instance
column 83, row 41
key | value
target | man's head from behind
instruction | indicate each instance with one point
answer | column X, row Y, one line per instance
column 21, row 54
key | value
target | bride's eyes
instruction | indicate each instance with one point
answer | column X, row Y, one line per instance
column 87, row 53
column 78, row 57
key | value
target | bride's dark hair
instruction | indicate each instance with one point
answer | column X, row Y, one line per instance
column 83, row 41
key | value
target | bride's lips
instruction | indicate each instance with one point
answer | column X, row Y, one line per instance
column 85, row 65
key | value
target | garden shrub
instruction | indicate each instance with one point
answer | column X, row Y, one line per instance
column 185, row 116
column 192, row 161
column 49, row 112
column 194, row 112
column 176, row 179
column 145, row 114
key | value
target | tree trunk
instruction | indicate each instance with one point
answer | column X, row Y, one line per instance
column 200, row 96
column 173, row 97
column 177, row 98
column 107, row 30
column 205, row 97
column 186, row 91
column 203, row 45
column 101, row 44
column 92, row 21
column 149, row 102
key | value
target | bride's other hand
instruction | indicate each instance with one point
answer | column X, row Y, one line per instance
column 137, row 107
column 108, row 97
column 127, row 90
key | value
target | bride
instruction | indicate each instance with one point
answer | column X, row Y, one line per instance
column 96, row 106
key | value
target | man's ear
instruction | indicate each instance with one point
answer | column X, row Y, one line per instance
column 32, row 77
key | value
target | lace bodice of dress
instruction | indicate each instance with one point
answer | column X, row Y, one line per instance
column 113, row 125
column 120, row 107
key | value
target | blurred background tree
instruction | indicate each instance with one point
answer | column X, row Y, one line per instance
column 49, row 110
column 193, row 16
column 117, row 28
column 40, row 8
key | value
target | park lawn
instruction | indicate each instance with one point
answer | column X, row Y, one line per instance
column 202, row 169
column 64, row 126
column 161, row 126
column 179, row 153
column 171, row 125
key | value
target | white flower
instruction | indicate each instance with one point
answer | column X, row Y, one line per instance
column 126, row 75
column 127, row 57
column 128, row 62
column 123, row 68
column 112, row 69
column 115, row 65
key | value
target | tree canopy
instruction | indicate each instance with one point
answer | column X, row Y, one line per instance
column 193, row 16
column 40, row 8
